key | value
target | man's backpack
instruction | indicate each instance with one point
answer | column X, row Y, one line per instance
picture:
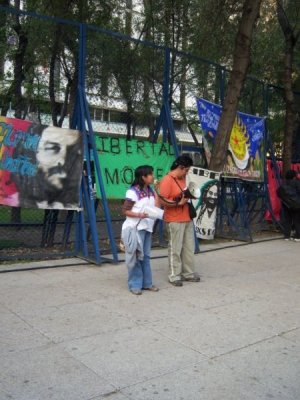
column 289, row 196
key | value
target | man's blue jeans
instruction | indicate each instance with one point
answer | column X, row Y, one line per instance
column 140, row 276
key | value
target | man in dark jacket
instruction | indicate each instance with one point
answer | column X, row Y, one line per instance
column 291, row 215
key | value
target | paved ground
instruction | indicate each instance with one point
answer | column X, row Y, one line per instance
column 77, row 333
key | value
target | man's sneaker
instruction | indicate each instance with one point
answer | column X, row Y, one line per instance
column 136, row 291
column 296, row 240
column 195, row 278
column 177, row 283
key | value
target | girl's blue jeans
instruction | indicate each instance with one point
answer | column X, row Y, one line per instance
column 140, row 276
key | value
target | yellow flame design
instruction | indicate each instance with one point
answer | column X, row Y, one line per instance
column 239, row 139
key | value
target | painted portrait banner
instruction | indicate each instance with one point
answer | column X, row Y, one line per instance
column 206, row 205
column 245, row 153
column 40, row 166
column 119, row 157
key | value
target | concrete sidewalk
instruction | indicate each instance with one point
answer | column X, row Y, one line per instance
column 76, row 333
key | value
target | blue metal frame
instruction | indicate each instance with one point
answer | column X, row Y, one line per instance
column 81, row 117
column 165, row 118
column 165, row 121
column 231, row 218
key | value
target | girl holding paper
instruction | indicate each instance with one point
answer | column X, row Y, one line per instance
column 139, row 208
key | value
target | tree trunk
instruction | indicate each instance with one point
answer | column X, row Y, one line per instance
column 53, row 59
column 148, row 118
column 182, row 100
column 241, row 63
column 19, row 66
column 290, row 112
column 3, row 36
column 296, row 144
column 129, row 121
column 128, row 18
column 73, row 93
column 64, row 108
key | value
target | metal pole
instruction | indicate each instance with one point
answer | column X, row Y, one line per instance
column 91, row 144
column 87, row 191
column 102, row 188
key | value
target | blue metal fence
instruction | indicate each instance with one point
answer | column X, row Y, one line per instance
column 202, row 78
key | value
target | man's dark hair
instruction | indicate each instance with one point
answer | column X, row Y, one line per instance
column 290, row 175
column 182, row 161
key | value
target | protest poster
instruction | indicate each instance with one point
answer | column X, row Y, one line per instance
column 119, row 158
column 245, row 152
column 40, row 166
column 206, row 205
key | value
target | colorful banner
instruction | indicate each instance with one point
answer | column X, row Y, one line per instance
column 119, row 158
column 40, row 166
column 206, row 205
column 245, row 153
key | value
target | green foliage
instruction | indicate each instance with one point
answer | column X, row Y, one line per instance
column 126, row 75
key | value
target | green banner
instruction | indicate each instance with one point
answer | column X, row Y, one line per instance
column 120, row 157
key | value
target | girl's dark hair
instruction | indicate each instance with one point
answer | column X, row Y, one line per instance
column 182, row 161
column 139, row 172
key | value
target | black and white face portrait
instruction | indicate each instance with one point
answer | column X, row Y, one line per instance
column 56, row 161
column 209, row 204
column 210, row 201
column 52, row 153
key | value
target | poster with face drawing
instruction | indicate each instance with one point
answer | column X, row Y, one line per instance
column 206, row 205
column 40, row 166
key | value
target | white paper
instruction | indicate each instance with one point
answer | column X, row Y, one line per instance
column 154, row 212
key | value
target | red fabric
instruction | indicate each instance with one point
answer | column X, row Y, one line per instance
column 272, row 187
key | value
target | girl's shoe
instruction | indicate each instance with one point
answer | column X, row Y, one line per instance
column 152, row 289
column 136, row 291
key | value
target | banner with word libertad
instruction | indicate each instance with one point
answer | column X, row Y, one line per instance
column 119, row 158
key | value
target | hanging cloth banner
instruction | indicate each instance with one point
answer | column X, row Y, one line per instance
column 119, row 158
column 273, row 186
column 40, row 166
column 206, row 205
column 245, row 153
